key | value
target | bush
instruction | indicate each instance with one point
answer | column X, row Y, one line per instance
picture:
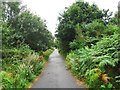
column 47, row 53
column 92, row 63
column 7, row 79
column 20, row 66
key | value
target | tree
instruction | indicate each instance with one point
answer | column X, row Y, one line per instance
column 27, row 28
column 106, row 16
column 79, row 13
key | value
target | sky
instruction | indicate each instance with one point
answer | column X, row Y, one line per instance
column 49, row 9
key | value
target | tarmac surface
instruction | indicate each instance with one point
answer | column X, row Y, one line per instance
column 55, row 75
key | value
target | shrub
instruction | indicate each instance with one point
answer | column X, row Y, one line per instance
column 20, row 66
column 100, row 59
column 47, row 53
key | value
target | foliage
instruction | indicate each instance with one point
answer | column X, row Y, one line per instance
column 106, row 16
column 79, row 40
column 91, row 63
column 24, row 35
column 73, row 15
column 10, row 11
column 34, row 31
column 27, row 28
column 7, row 81
column 47, row 53
column 20, row 66
column 89, row 39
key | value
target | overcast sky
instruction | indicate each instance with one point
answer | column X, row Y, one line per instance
column 50, row 9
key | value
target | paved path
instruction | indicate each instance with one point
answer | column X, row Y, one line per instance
column 55, row 75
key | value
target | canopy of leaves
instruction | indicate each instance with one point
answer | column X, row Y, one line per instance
column 27, row 28
column 78, row 13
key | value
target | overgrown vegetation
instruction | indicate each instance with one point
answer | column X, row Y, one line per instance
column 95, row 62
column 26, row 45
column 21, row 66
column 88, row 38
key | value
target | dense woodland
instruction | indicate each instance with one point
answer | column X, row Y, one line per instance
column 26, row 45
column 88, row 38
